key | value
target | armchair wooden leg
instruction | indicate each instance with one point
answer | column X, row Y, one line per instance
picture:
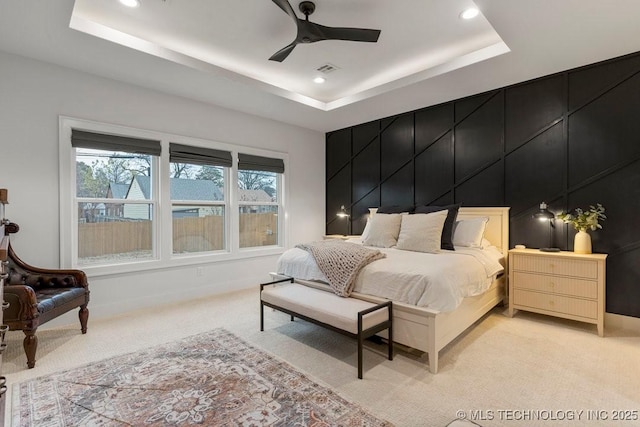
column 83, row 314
column 30, row 345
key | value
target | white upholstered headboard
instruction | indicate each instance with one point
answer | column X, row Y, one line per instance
column 497, row 231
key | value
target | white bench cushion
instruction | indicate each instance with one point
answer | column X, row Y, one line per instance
column 325, row 307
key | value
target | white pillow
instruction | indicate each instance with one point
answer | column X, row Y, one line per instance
column 383, row 230
column 469, row 232
column 365, row 232
column 422, row 232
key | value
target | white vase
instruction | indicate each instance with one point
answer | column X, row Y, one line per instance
column 582, row 243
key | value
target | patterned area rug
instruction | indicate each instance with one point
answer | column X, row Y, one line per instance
column 211, row 379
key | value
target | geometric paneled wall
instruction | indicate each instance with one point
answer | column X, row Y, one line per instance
column 571, row 139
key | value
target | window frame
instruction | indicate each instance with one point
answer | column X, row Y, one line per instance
column 162, row 229
column 226, row 173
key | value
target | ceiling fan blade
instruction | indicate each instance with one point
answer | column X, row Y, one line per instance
column 310, row 32
column 350, row 34
column 282, row 54
column 284, row 5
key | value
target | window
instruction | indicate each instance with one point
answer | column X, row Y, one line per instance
column 259, row 200
column 114, row 197
column 197, row 177
column 134, row 199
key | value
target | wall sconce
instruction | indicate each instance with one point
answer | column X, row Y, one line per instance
column 4, row 200
column 343, row 214
column 544, row 215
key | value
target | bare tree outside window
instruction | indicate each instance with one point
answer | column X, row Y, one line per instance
column 212, row 173
column 258, row 180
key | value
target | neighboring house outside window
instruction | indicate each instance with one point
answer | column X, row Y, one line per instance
column 132, row 200
column 116, row 191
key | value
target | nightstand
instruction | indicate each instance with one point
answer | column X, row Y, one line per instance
column 561, row 284
column 337, row 236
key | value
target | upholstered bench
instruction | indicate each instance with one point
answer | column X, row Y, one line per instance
column 349, row 316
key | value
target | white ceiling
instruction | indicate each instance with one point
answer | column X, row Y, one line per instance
column 217, row 52
column 238, row 37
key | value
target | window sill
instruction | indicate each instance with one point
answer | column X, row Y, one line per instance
column 178, row 261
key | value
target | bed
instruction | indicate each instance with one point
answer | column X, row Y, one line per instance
column 430, row 322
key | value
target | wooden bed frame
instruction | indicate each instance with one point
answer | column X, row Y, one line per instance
column 430, row 330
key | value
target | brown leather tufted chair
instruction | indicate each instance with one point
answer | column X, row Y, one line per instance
column 37, row 295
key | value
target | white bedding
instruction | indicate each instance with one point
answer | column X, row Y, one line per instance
column 437, row 281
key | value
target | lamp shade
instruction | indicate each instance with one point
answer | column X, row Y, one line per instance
column 543, row 214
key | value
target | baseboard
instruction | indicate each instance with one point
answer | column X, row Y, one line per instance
column 618, row 321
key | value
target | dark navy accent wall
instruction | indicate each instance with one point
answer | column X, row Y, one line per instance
column 571, row 139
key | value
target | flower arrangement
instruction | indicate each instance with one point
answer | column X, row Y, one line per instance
column 585, row 220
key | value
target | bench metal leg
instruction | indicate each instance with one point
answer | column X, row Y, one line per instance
column 360, row 343
column 261, row 316
column 390, row 334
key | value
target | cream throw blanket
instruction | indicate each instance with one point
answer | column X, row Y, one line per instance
column 341, row 262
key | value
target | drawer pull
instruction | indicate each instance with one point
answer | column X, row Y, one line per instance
column 5, row 305
column 551, row 303
column 552, row 285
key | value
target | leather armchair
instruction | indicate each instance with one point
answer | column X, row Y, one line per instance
column 37, row 295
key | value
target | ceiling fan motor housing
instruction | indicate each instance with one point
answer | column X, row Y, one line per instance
column 307, row 7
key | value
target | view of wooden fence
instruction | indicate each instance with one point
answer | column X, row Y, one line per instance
column 190, row 234
column 258, row 229
column 198, row 234
column 105, row 238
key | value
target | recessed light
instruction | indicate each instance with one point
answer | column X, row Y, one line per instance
column 130, row 3
column 470, row 13
column 319, row 80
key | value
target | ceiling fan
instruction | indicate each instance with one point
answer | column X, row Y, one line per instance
column 310, row 32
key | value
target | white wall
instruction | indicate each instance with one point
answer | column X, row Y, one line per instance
column 32, row 96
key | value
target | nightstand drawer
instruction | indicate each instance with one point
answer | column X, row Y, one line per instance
column 556, row 303
column 555, row 284
column 587, row 269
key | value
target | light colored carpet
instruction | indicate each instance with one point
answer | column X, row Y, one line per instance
column 503, row 369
